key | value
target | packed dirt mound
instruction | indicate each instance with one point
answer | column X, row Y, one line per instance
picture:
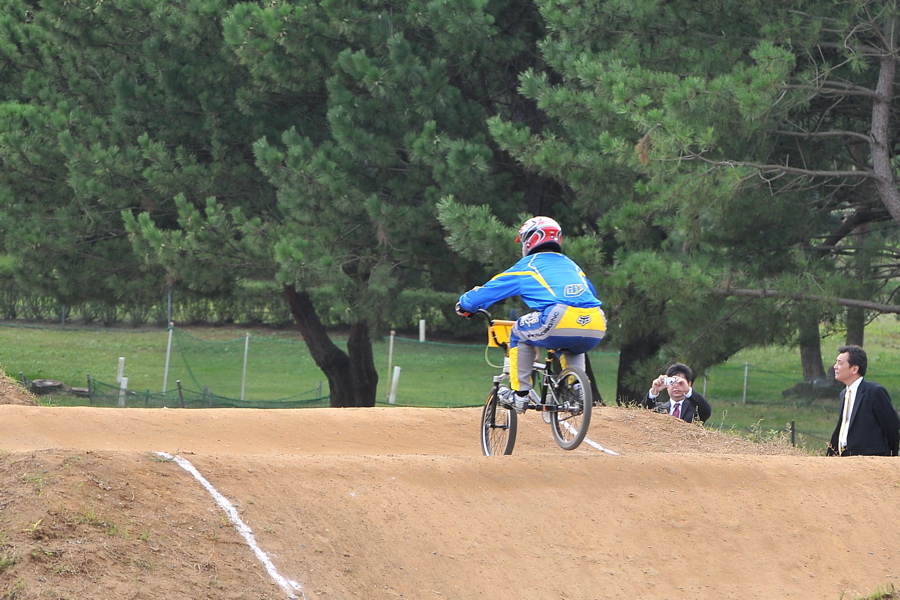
column 12, row 393
column 398, row 503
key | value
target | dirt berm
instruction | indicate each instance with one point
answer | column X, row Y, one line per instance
column 398, row 503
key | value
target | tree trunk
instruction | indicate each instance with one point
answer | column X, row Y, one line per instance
column 856, row 326
column 810, row 345
column 630, row 356
column 589, row 370
column 863, row 272
column 882, row 158
column 352, row 378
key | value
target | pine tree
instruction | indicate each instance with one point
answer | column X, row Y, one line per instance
column 302, row 142
column 722, row 150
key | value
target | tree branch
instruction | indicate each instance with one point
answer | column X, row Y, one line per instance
column 863, row 48
column 865, row 304
column 834, row 88
column 823, row 134
column 784, row 169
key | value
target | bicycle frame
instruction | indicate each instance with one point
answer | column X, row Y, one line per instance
column 543, row 373
column 565, row 398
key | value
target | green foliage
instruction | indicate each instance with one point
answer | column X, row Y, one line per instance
column 704, row 141
column 888, row 593
column 435, row 308
column 377, row 158
column 476, row 234
column 118, row 107
column 229, row 141
column 8, row 558
column 759, row 435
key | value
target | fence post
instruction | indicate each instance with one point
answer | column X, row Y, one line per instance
column 122, row 388
column 168, row 356
column 180, row 393
column 393, row 397
column 390, row 360
column 121, row 372
column 90, row 383
column 421, row 330
column 746, row 377
column 244, row 375
column 793, row 433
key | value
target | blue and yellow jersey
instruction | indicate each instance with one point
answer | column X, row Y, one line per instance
column 541, row 279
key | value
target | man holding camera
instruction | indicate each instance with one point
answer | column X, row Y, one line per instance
column 684, row 403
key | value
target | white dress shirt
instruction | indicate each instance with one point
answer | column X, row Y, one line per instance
column 847, row 412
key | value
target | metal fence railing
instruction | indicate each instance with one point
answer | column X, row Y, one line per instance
column 101, row 394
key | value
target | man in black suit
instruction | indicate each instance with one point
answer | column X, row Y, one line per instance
column 868, row 423
column 683, row 403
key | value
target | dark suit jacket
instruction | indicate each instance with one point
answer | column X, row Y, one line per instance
column 695, row 407
column 874, row 424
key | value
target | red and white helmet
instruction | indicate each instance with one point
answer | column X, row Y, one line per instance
column 538, row 231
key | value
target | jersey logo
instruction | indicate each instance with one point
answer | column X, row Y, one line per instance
column 583, row 320
column 574, row 289
column 530, row 319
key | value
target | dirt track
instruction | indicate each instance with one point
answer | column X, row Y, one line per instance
column 398, row 503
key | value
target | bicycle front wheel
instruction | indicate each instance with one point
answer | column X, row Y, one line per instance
column 498, row 427
column 573, row 417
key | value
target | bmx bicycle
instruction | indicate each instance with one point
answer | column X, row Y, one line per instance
column 565, row 398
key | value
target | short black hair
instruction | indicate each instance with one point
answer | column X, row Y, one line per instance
column 856, row 357
column 681, row 369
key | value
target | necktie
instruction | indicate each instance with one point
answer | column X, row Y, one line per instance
column 676, row 412
column 845, row 422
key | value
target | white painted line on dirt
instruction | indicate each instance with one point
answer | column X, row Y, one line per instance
column 591, row 442
column 288, row 586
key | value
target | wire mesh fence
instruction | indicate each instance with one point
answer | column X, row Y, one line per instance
column 107, row 395
column 771, row 404
column 248, row 371
column 276, row 370
column 262, row 368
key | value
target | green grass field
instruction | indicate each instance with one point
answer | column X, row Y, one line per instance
column 745, row 393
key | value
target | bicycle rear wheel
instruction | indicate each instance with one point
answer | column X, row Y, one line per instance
column 498, row 427
column 571, row 421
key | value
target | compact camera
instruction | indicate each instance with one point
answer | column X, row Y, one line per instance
column 670, row 380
